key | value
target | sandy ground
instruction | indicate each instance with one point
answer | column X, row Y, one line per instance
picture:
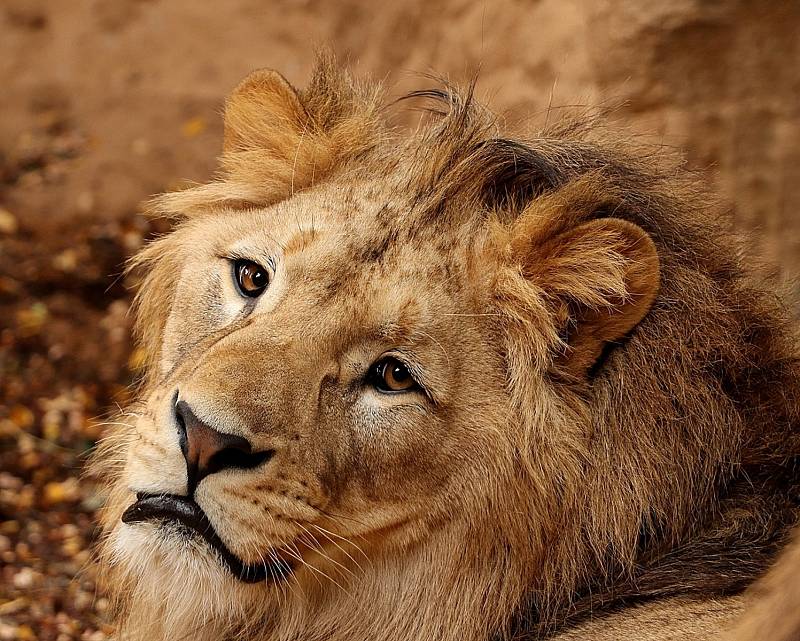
column 105, row 102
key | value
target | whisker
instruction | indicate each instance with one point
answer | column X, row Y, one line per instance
column 316, row 570
column 340, row 518
column 326, row 556
column 298, row 557
column 328, row 535
column 441, row 347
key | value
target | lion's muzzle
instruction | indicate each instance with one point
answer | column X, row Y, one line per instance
column 180, row 509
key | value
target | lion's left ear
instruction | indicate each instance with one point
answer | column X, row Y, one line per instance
column 599, row 279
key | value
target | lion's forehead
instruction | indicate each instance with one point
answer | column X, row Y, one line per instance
column 352, row 278
column 368, row 253
column 358, row 224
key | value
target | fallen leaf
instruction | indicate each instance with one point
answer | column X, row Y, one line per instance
column 8, row 223
column 194, row 127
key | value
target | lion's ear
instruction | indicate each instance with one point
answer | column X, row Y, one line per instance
column 264, row 113
column 273, row 145
column 279, row 140
column 599, row 279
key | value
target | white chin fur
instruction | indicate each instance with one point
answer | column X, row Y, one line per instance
column 148, row 547
column 180, row 574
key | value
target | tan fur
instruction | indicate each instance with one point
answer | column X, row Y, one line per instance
column 774, row 611
column 611, row 406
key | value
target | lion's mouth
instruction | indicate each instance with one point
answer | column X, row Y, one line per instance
column 169, row 507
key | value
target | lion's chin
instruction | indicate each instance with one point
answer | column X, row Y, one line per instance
column 185, row 517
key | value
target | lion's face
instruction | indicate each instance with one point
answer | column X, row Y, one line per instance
column 348, row 390
column 366, row 412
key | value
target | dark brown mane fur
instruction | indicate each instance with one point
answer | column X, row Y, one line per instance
column 708, row 385
column 707, row 390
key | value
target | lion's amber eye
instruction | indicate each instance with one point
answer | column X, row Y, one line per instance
column 390, row 375
column 251, row 277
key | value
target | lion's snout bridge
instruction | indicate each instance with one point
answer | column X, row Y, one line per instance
column 207, row 450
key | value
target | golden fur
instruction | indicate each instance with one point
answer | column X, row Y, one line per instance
column 610, row 414
column 774, row 602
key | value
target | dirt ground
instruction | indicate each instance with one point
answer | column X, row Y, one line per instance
column 105, row 102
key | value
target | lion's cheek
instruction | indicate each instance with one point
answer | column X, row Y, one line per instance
column 155, row 471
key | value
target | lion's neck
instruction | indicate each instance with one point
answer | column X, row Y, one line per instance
column 451, row 588
column 461, row 584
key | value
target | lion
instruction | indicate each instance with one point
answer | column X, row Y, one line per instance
column 441, row 384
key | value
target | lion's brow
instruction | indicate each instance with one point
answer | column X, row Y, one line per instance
column 299, row 241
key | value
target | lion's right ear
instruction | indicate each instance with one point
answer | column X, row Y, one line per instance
column 273, row 145
column 279, row 141
column 264, row 113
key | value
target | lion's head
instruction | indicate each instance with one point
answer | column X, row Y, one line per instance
column 428, row 386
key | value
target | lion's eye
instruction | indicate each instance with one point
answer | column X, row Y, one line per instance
column 251, row 278
column 390, row 375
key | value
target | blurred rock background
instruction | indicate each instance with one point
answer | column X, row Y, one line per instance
column 105, row 102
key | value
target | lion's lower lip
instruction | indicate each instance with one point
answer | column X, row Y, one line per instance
column 169, row 507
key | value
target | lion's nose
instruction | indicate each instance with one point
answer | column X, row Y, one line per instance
column 207, row 450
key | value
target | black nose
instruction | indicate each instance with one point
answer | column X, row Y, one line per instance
column 207, row 450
